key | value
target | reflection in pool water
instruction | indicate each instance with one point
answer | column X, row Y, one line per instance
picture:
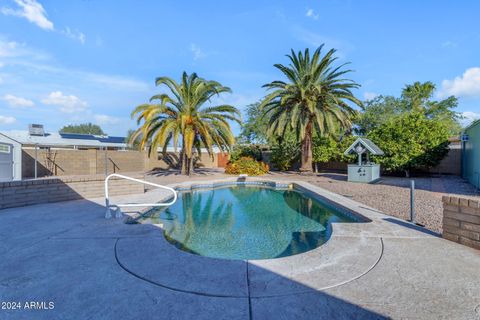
column 246, row 222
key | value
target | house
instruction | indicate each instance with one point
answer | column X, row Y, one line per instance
column 12, row 143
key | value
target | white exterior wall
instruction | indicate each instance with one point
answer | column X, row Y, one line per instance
column 17, row 156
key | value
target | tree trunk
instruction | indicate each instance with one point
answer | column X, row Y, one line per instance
column 184, row 162
column 307, row 150
column 190, row 165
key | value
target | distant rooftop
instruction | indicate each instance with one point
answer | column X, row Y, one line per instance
column 65, row 139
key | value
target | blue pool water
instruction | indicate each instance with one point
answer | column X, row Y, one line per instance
column 246, row 222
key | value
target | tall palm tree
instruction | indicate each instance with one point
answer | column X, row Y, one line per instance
column 183, row 114
column 314, row 98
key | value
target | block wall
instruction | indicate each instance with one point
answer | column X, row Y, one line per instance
column 461, row 220
column 29, row 192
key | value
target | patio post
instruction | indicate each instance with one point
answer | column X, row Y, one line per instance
column 36, row 160
column 412, row 201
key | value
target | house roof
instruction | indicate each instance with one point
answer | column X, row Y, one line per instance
column 366, row 143
column 65, row 139
column 471, row 125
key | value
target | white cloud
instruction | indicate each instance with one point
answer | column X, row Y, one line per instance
column 105, row 119
column 30, row 62
column 369, row 95
column 36, row 62
column 197, row 52
column 8, row 49
column 113, row 81
column 467, row 85
column 11, row 51
column 98, row 41
column 67, row 103
column 32, row 11
column 315, row 40
column 14, row 101
column 449, row 44
column 237, row 100
column 311, row 14
column 469, row 117
column 7, row 120
column 74, row 34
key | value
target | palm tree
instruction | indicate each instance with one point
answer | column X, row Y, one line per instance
column 314, row 98
column 183, row 114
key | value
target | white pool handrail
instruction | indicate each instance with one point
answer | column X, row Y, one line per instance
column 108, row 213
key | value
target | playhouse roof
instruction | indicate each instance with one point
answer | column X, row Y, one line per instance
column 366, row 143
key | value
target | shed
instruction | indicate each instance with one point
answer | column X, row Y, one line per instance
column 10, row 159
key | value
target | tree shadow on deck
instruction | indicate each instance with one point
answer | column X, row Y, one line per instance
column 159, row 172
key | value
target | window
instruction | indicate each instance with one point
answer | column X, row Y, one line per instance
column 4, row 148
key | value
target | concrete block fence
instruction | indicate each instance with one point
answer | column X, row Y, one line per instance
column 30, row 192
column 461, row 220
column 69, row 162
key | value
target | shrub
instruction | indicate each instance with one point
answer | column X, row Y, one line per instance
column 246, row 165
column 285, row 154
column 327, row 149
column 246, row 150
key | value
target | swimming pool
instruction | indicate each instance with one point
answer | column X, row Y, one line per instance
column 246, row 222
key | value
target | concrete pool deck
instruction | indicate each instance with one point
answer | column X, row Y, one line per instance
column 92, row 268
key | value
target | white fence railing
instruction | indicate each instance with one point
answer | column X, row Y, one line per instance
column 108, row 213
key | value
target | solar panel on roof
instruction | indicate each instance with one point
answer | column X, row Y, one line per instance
column 105, row 139
column 78, row 136
column 112, row 139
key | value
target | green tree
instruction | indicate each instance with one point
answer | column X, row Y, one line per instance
column 419, row 97
column 246, row 150
column 83, row 128
column 415, row 97
column 326, row 149
column 376, row 112
column 314, row 99
column 285, row 152
column 182, row 114
column 255, row 126
column 411, row 141
column 133, row 143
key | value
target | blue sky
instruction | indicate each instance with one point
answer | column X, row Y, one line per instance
column 64, row 62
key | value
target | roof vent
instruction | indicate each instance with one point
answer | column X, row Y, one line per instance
column 36, row 130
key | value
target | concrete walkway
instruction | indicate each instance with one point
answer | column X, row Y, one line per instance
column 92, row 268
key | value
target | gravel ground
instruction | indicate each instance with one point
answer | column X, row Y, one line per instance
column 391, row 195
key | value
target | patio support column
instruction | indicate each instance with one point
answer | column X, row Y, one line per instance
column 36, row 161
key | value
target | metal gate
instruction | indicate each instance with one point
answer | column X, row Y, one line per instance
column 6, row 162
